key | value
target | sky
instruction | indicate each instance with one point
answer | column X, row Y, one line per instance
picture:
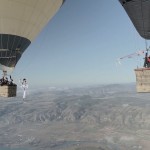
column 80, row 46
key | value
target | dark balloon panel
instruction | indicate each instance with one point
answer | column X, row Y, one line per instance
column 11, row 49
column 139, row 13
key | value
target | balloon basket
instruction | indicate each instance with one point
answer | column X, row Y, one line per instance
column 142, row 79
column 8, row 90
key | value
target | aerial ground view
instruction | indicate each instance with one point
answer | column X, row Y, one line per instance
column 106, row 117
column 74, row 75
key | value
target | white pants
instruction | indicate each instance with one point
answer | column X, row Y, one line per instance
column 24, row 94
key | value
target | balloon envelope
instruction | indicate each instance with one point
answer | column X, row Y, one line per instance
column 20, row 23
column 139, row 13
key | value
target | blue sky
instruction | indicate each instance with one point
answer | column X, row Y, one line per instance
column 80, row 45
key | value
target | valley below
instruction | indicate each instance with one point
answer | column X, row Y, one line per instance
column 102, row 117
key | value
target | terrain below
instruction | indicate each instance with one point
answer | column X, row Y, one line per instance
column 106, row 117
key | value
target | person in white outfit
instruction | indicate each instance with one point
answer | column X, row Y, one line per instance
column 24, row 86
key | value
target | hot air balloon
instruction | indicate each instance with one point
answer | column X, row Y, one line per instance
column 20, row 23
column 139, row 13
